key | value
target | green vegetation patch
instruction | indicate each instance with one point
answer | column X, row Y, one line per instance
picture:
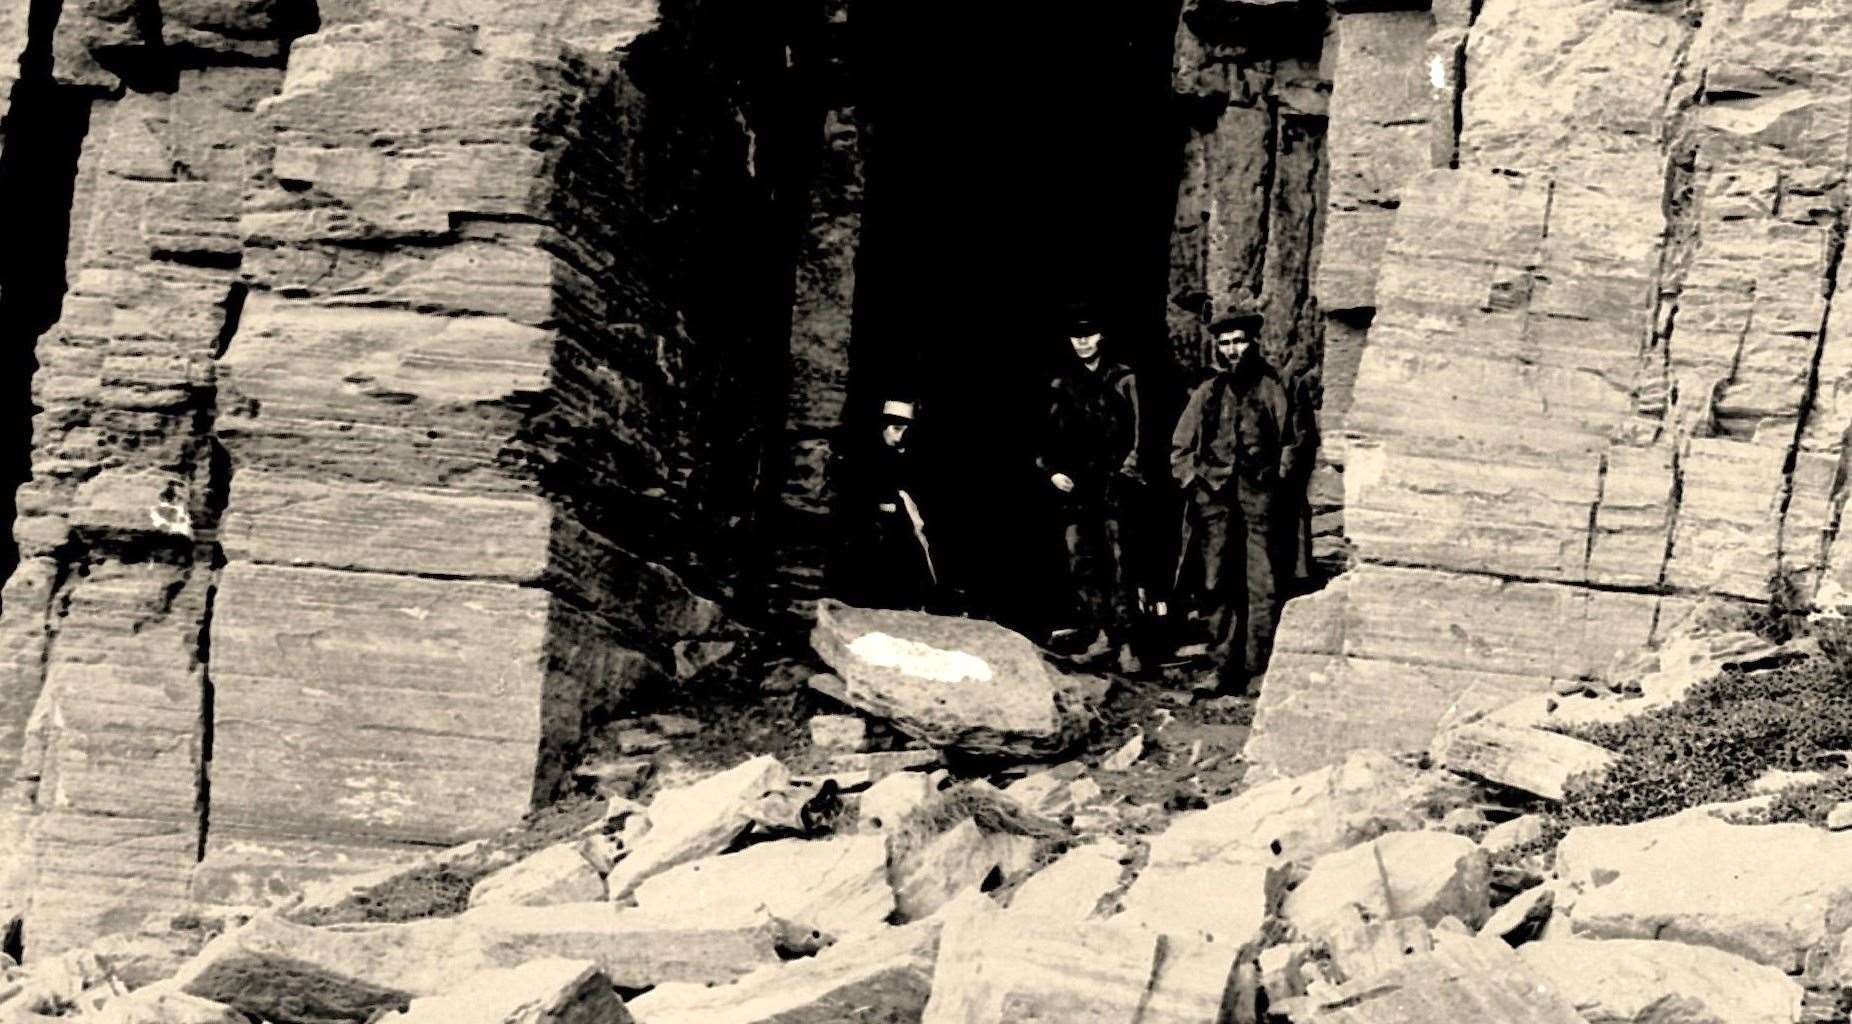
column 1725, row 734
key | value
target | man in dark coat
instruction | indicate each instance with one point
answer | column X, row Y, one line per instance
column 1088, row 452
column 887, row 562
column 1233, row 446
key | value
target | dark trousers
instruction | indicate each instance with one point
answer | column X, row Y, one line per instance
column 1242, row 553
column 1098, row 572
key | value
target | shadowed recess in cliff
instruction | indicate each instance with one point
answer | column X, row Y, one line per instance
column 1036, row 174
column 43, row 129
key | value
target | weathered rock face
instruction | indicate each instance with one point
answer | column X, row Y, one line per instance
column 383, row 401
column 1600, row 376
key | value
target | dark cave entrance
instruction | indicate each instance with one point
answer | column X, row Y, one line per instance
column 1022, row 157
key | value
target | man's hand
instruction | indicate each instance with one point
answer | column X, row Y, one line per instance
column 1062, row 482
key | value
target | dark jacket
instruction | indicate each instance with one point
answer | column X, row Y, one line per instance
column 887, row 563
column 1237, row 428
column 1090, row 432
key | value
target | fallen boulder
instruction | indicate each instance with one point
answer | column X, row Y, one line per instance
column 882, row 976
column 697, row 820
column 964, row 684
column 1428, row 875
column 835, row 887
column 1528, row 759
column 296, row 974
column 1771, row 893
column 1633, row 981
column 549, row 991
column 1463, row 980
column 999, row 966
column 557, row 874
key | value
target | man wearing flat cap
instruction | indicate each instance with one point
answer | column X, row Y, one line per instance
column 1233, row 446
column 1087, row 453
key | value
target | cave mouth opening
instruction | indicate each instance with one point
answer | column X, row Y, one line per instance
column 1019, row 161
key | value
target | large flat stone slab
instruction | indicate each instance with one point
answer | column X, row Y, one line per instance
column 295, row 974
column 997, row 966
column 886, row 975
column 1770, row 893
column 962, row 683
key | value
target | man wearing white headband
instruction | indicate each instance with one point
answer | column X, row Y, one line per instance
column 890, row 562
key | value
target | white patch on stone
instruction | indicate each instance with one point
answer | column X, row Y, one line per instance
column 1437, row 73
column 921, row 660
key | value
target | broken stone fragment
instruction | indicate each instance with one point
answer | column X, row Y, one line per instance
column 847, row 733
column 1525, row 828
column 1626, row 981
column 1428, row 875
column 1126, row 756
column 1523, row 917
column 1364, row 949
column 888, row 802
column 998, row 966
column 557, row 874
column 1775, row 780
column 836, row 887
column 853, row 770
column 883, row 976
column 1772, row 893
column 929, row 876
column 695, row 821
column 548, row 991
column 956, row 683
column 160, row 1004
column 1073, row 885
column 1222, row 901
column 1056, row 792
column 295, row 974
column 1839, row 819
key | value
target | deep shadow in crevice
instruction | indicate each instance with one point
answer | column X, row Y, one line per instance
column 44, row 132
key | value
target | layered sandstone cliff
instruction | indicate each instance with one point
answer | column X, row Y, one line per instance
column 387, row 421
column 414, row 382
column 1602, row 367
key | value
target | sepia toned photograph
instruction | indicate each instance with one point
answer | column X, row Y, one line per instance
column 853, row 512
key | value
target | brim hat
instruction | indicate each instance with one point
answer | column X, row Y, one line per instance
column 897, row 411
column 1249, row 322
column 1082, row 322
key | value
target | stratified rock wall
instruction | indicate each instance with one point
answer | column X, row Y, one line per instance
column 376, row 427
column 1600, row 379
column 823, row 305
